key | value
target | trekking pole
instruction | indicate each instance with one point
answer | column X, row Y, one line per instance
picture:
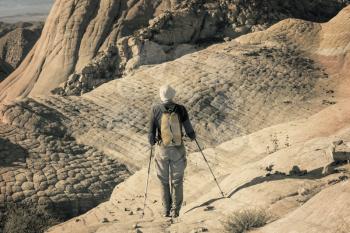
column 146, row 189
column 205, row 159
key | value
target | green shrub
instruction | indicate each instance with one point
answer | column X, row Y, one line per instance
column 243, row 221
column 20, row 218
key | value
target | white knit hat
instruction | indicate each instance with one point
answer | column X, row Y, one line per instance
column 167, row 93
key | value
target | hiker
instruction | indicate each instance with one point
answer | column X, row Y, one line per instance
column 167, row 121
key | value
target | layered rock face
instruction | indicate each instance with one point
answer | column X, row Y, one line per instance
column 8, row 27
column 286, row 181
column 70, row 149
column 108, row 38
column 42, row 164
column 230, row 89
column 5, row 70
column 16, row 41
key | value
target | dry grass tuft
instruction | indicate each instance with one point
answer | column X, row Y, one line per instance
column 243, row 221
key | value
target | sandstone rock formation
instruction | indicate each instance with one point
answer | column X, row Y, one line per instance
column 16, row 40
column 5, row 70
column 108, row 38
column 224, row 87
column 72, row 150
column 299, row 202
column 15, row 45
column 231, row 89
column 240, row 167
column 42, row 164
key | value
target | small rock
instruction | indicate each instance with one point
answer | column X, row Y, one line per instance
column 199, row 230
column 126, row 209
column 155, row 201
column 269, row 168
column 209, row 208
column 77, row 220
column 131, row 213
column 343, row 177
column 104, row 220
column 138, row 209
column 303, row 191
column 297, row 172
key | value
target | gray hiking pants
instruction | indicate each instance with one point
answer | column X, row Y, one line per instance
column 170, row 166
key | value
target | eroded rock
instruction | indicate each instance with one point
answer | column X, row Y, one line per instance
column 112, row 38
column 63, row 183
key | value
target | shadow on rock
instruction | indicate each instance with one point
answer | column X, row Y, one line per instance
column 294, row 173
column 11, row 154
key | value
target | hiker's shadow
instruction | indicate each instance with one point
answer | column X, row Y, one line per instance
column 295, row 173
column 11, row 154
column 207, row 203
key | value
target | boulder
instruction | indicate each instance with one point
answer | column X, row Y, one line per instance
column 341, row 151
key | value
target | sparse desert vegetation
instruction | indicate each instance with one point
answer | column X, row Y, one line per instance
column 246, row 220
column 27, row 218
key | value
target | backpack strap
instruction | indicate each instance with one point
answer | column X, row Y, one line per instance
column 170, row 110
column 163, row 109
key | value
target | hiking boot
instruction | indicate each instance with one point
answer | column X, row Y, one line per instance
column 174, row 213
column 166, row 214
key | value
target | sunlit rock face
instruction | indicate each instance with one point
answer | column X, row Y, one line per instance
column 86, row 43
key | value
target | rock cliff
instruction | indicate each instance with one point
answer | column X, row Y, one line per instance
column 16, row 41
column 295, row 191
column 86, row 43
column 231, row 89
column 5, row 70
column 281, row 93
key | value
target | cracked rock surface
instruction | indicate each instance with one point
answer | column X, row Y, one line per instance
column 42, row 164
column 231, row 89
column 304, row 200
column 69, row 152
column 108, row 39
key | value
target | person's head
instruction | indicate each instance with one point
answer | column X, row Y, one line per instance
column 167, row 93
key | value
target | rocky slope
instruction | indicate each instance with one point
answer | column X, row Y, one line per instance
column 16, row 41
column 5, row 70
column 105, row 39
column 241, row 167
column 224, row 87
column 42, row 164
column 231, row 89
column 300, row 201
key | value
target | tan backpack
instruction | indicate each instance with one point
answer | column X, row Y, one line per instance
column 170, row 128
